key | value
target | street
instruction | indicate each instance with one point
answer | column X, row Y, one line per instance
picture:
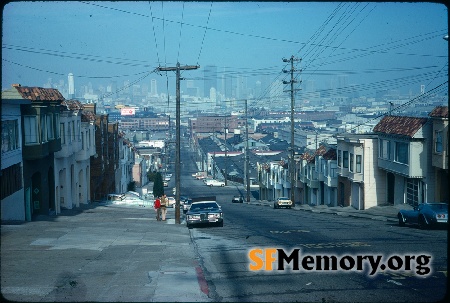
column 223, row 253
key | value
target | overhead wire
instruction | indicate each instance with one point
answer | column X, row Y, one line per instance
column 204, row 34
column 181, row 28
column 154, row 33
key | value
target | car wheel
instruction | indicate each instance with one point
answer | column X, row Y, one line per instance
column 400, row 220
column 422, row 223
column 274, row 206
column 220, row 224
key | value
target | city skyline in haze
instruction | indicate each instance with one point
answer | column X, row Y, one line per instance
column 375, row 46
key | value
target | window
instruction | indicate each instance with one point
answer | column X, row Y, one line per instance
column 438, row 141
column 358, row 163
column 88, row 140
column 413, row 192
column 82, row 140
column 50, row 131
column 73, row 130
column 78, row 130
column 351, row 162
column 339, row 158
column 11, row 180
column 43, row 128
column 57, row 131
column 30, row 129
column 345, row 159
column 401, row 152
column 62, row 129
column 10, row 135
column 385, row 149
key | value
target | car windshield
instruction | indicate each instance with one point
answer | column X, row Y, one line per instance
column 438, row 207
column 204, row 206
column 283, row 199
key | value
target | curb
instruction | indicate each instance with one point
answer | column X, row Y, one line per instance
column 339, row 213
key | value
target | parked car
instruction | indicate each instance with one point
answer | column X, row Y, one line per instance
column 171, row 202
column 187, row 205
column 204, row 213
column 237, row 199
column 425, row 215
column 129, row 198
column 282, row 202
column 215, row 183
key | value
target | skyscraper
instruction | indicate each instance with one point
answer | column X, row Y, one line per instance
column 153, row 87
column 71, row 86
column 210, row 79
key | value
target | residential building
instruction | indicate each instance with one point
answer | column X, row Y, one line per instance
column 126, row 156
column 326, row 167
column 361, row 184
column 106, row 159
column 405, row 156
column 72, row 162
column 41, row 139
column 12, row 189
column 439, row 118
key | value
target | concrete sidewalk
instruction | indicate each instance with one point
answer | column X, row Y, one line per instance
column 100, row 253
column 382, row 213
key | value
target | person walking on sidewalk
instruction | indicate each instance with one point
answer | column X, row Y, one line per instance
column 164, row 207
column 157, row 207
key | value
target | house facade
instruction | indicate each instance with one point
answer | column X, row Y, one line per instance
column 72, row 162
column 361, row 184
column 12, row 191
column 404, row 145
column 41, row 139
column 439, row 153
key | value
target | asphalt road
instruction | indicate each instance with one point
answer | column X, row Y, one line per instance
column 223, row 253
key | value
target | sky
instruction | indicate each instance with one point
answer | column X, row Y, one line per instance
column 377, row 45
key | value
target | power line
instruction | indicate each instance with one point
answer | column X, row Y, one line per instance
column 204, row 34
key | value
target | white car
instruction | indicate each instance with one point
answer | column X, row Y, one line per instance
column 215, row 183
column 171, row 202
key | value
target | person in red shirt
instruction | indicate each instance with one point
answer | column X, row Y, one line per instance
column 157, row 206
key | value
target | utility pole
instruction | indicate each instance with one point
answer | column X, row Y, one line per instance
column 177, row 139
column 247, row 175
column 292, row 90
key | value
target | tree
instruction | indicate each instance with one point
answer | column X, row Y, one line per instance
column 158, row 186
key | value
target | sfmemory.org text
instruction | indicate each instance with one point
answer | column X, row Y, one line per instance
column 269, row 259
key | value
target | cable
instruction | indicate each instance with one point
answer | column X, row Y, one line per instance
column 181, row 27
column 204, row 34
column 154, row 33
column 81, row 76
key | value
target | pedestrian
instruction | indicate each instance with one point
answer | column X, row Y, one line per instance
column 157, row 206
column 163, row 207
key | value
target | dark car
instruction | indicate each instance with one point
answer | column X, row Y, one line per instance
column 425, row 215
column 237, row 199
column 204, row 213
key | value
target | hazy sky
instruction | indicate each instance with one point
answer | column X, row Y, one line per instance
column 378, row 45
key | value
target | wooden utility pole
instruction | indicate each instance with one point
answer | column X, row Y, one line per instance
column 247, row 166
column 177, row 138
column 292, row 150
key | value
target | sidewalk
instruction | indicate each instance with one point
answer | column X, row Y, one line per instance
column 382, row 213
column 100, row 253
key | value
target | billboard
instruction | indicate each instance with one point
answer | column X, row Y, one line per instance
column 127, row 111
